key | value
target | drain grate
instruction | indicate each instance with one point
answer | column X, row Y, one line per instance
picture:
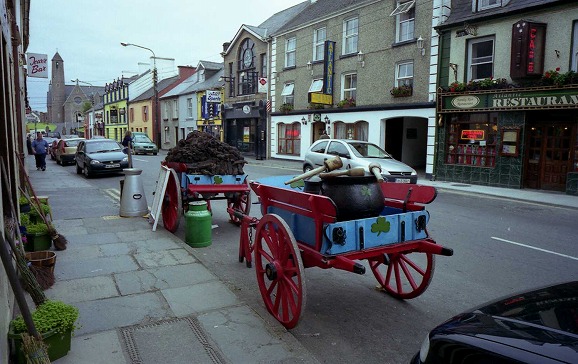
column 180, row 339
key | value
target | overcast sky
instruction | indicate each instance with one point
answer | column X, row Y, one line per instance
column 87, row 34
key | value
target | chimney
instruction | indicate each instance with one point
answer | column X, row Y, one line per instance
column 186, row 71
column 226, row 45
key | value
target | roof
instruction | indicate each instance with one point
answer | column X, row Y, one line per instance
column 150, row 92
column 461, row 10
column 209, row 83
column 177, row 90
column 215, row 66
column 319, row 10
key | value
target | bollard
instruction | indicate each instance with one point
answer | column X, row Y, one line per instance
column 133, row 201
column 198, row 225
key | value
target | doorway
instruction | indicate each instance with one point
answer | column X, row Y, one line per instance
column 547, row 159
column 394, row 137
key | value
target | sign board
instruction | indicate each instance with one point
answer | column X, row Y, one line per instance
column 319, row 98
column 213, row 96
column 472, row 134
column 328, row 61
column 159, row 193
column 36, row 65
column 262, row 85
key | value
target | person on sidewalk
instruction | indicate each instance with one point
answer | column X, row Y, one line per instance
column 39, row 149
column 127, row 143
column 29, row 144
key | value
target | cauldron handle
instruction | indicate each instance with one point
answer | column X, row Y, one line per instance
column 375, row 169
column 328, row 165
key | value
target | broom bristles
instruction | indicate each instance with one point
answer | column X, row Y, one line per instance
column 34, row 350
column 44, row 276
column 58, row 239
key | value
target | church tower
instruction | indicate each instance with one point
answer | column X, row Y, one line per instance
column 56, row 91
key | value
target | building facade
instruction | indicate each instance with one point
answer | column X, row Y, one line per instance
column 115, row 109
column 358, row 70
column 509, row 95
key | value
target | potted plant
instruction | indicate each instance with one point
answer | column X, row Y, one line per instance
column 34, row 214
column 402, row 91
column 286, row 108
column 315, row 106
column 38, row 237
column 55, row 321
column 345, row 103
column 24, row 204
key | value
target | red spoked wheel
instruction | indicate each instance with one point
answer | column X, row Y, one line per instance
column 404, row 275
column 171, row 208
column 240, row 202
column 279, row 270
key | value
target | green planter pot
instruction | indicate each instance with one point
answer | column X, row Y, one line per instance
column 58, row 345
column 37, row 242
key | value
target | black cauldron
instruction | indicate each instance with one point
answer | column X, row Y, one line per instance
column 355, row 197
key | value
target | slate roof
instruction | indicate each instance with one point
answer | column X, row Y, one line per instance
column 178, row 89
column 150, row 92
column 278, row 20
column 318, row 10
column 209, row 83
column 461, row 11
column 215, row 66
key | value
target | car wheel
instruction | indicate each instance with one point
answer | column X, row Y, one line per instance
column 87, row 173
column 78, row 169
column 307, row 168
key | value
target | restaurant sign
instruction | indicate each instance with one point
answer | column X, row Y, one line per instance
column 472, row 134
column 517, row 100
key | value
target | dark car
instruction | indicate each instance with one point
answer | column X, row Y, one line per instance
column 538, row 326
column 100, row 156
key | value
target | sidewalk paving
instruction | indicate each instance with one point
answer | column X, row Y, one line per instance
column 143, row 296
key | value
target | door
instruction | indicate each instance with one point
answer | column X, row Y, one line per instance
column 548, row 156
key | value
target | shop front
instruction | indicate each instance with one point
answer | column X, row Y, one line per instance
column 513, row 138
column 245, row 128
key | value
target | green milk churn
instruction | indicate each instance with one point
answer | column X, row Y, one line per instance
column 198, row 225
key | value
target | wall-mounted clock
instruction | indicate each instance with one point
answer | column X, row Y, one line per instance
column 248, row 58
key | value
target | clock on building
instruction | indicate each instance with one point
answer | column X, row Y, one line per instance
column 248, row 58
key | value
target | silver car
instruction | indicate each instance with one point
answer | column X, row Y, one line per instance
column 358, row 153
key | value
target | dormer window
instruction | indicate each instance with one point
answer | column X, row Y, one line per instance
column 487, row 4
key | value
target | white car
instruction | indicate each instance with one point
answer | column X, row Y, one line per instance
column 358, row 153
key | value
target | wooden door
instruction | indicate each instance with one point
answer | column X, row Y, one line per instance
column 548, row 156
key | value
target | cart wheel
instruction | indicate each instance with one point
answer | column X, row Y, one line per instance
column 279, row 270
column 172, row 205
column 241, row 202
column 406, row 275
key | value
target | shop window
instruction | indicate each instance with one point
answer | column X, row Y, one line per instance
column 471, row 139
column 356, row 131
column 350, row 35
column 289, row 138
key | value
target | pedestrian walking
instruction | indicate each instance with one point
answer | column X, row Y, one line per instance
column 127, row 144
column 29, row 144
column 39, row 149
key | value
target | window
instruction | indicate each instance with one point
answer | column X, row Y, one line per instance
column 131, row 114
column 357, row 131
column 189, row 107
column 287, row 93
column 316, row 86
column 471, row 139
column 574, row 66
column 488, row 4
column 166, row 110
column 289, row 138
column 404, row 21
column 175, row 109
column 349, row 83
column 145, row 113
column 319, row 43
column 480, row 58
column 404, row 74
column 290, row 52
column 263, row 65
column 350, row 33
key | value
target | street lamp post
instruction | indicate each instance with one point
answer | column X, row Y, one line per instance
column 156, row 120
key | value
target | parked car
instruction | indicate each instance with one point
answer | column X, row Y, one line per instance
column 53, row 134
column 142, row 144
column 100, row 156
column 537, row 326
column 357, row 153
column 66, row 150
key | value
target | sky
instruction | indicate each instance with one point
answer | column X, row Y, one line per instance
column 87, row 34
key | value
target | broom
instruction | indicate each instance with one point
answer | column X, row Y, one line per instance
column 36, row 351
column 59, row 240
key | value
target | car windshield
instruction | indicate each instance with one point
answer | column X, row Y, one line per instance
column 72, row 143
column 102, row 147
column 368, row 150
column 142, row 139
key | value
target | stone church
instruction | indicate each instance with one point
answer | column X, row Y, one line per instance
column 66, row 103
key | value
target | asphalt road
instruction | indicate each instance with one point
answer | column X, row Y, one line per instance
column 500, row 247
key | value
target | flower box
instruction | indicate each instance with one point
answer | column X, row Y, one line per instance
column 401, row 91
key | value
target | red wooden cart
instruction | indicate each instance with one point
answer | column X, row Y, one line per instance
column 183, row 188
column 299, row 230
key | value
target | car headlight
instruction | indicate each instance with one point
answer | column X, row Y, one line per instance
column 424, row 350
column 95, row 162
column 125, row 159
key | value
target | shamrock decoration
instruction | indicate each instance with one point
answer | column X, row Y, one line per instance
column 380, row 226
column 298, row 184
column 365, row 191
column 218, row 180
